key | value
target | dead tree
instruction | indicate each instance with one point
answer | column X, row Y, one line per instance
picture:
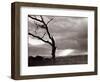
column 41, row 24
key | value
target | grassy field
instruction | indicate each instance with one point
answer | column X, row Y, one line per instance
column 67, row 60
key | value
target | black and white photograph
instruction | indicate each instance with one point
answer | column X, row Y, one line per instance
column 57, row 40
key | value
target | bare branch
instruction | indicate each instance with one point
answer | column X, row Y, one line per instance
column 42, row 18
column 44, row 25
column 49, row 21
column 44, row 35
column 40, row 38
column 35, row 18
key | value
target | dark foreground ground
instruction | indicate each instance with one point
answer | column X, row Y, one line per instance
column 67, row 60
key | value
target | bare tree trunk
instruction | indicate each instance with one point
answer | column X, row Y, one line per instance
column 53, row 54
column 53, row 50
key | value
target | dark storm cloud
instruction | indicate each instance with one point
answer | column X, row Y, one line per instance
column 70, row 32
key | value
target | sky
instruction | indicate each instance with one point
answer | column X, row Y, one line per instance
column 70, row 34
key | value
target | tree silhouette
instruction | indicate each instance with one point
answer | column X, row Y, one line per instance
column 41, row 24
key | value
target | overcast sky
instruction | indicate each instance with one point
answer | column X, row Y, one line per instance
column 68, row 32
